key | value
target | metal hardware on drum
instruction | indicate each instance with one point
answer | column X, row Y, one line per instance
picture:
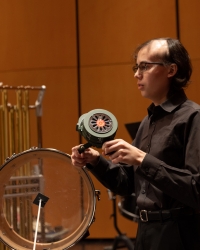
column 98, row 193
column 97, row 127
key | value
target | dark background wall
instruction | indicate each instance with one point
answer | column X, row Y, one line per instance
column 82, row 52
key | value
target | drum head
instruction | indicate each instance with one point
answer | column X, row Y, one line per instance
column 64, row 218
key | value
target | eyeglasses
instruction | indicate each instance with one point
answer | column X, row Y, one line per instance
column 143, row 66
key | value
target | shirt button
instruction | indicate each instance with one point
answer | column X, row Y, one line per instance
column 143, row 191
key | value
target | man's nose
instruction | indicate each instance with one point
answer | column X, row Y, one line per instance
column 137, row 74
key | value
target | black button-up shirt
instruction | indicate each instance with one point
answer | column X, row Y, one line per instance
column 169, row 175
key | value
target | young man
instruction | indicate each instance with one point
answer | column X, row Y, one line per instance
column 162, row 166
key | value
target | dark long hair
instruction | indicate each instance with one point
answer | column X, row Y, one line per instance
column 178, row 55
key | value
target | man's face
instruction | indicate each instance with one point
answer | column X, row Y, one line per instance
column 153, row 80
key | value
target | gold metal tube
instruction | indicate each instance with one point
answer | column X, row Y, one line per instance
column 11, row 130
column 27, row 170
column 5, row 142
column 1, row 135
column 5, row 123
column 19, row 121
column 26, row 122
column 8, row 203
column 20, row 147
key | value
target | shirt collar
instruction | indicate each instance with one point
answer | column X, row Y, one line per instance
column 170, row 104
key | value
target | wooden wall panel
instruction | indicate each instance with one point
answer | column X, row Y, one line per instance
column 190, row 37
column 110, row 30
column 38, row 47
column 37, row 34
column 189, row 27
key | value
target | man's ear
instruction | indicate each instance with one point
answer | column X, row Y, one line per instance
column 172, row 70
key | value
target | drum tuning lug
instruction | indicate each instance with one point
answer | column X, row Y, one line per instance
column 12, row 155
column 97, row 193
column 8, row 158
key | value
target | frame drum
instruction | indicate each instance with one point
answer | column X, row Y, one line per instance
column 67, row 214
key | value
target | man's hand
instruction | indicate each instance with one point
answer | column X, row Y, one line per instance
column 121, row 151
column 90, row 156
